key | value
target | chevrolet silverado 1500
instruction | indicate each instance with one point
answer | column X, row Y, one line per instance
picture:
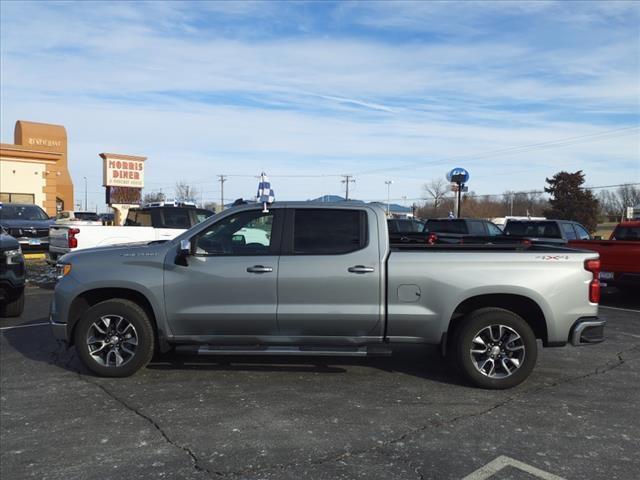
column 323, row 280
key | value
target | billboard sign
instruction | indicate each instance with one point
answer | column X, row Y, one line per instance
column 122, row 170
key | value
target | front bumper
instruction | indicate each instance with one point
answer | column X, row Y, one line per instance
column 58, row 329
column 587, row 331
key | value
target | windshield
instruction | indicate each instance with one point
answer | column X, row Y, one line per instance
column 533, row 229
column 22, row 212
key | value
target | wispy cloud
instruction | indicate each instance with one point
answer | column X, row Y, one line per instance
column 319, row 87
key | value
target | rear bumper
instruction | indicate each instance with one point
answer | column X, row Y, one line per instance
column 587, row 331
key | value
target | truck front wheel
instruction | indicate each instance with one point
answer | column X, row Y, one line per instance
column 114, row 338
column 495, row 348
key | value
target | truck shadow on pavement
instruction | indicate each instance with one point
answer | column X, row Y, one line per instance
column 424, row 363
column 38, row 344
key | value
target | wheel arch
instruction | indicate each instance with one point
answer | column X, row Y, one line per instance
column 521, row 305
column 89, row 298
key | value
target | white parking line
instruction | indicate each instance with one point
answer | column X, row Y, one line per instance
column 494, row 466
column 25, row 326
column 622, row 309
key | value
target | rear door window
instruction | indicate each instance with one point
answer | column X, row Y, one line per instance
column 494, row 230
column 328, row 231
column 569, row 232
column 582, row 232
column 446, row 226
column 476, row 228
column 542, row 229
column 176, row 218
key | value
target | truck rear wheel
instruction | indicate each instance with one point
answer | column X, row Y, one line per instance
column 114, row 338
column 495, row 348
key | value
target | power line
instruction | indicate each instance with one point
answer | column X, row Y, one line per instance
column 562, row 142
column 519, row 192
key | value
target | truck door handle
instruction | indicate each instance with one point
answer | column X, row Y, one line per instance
column 259, row 269
column 361, row 269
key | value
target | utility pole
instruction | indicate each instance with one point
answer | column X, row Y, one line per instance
column 348, row 179
column 388, row 183
column 222, row 179
column 85, row 193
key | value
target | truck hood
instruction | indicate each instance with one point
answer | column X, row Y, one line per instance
column 121, row 251
column 7, row 242
column 26, row 224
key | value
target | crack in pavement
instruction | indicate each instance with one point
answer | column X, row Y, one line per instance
column 609, row 366
column 83, row 378
column 196, row 462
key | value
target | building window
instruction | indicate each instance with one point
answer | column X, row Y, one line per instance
column 17, row 198
column 59, row 205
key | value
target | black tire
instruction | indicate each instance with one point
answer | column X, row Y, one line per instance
column 94, row 320
column 14, row 305
column 517, row 343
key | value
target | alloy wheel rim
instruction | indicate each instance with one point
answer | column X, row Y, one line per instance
column 112, row 341
column 497, row 351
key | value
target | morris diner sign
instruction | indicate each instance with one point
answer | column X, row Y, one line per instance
column 122, row 170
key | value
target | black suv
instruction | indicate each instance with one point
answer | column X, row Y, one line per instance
column 457, row 230
column 549, row 232
column 28, row 223
column 12, row 276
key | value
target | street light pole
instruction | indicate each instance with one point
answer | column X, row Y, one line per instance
column 85, row 193
column 388, row 183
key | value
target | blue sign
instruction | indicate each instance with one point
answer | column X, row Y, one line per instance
column 461, row 173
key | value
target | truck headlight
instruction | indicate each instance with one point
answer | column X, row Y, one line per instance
column 62, row 269
column 14, row 257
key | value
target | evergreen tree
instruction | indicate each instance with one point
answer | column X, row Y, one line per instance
column 569, row 201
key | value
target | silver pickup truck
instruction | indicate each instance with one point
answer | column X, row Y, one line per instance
column 323, row 279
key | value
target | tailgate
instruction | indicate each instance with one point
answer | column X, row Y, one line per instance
column 615, row 255
column 58, row 237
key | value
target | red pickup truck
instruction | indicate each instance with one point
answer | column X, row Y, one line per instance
column 619, row 256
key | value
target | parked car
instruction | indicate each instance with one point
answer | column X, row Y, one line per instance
column 27, row 223
column 549, row 232
column 619, row 256
column 141, row 225
column 12, row 276
column 107, row 218
column 463, row 230
column 324, row 281
column 78, row 218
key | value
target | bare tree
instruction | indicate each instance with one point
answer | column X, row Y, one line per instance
column 438, row 191
column 615, row 202
column 152, row 197
column 185, row 192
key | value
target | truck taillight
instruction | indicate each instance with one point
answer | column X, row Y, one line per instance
column 72, row 241
column 593, row 266
column 432, row 239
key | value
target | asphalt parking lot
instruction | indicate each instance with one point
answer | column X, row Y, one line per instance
column 404, row 417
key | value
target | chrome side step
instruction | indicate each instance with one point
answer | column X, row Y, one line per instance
column 283, row 350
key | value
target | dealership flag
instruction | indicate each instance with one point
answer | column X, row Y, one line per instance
column 265, row 192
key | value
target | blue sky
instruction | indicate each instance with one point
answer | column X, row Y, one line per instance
column 308, row 91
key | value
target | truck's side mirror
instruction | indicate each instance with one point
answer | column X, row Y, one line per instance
column 184, row 250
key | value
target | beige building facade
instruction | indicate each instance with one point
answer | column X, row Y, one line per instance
column 34, row 169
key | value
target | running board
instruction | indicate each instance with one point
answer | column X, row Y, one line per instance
column 284, row 350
